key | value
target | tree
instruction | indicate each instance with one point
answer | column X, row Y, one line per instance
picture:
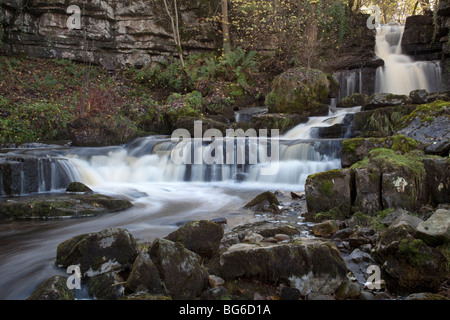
column 172, row 13
column 226, row 28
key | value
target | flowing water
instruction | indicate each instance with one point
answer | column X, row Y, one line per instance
column 401, row 74
column 164, row 194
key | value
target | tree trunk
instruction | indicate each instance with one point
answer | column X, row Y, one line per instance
column 175, row 29
column 225, row 27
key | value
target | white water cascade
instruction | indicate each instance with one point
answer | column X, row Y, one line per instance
column 148, row 160
column 400, row 74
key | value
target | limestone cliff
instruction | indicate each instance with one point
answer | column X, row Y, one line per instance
column 126, row 33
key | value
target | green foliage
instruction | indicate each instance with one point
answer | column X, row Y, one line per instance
column 37, row 121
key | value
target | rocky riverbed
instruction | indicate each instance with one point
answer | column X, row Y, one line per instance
column 280, row 256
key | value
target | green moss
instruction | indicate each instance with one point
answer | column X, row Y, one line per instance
column 415, row 251
column 426, row 112
column 403, row 144
column 350, row 145
column 326, row 188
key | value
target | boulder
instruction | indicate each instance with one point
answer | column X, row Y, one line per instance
column 353, row 100
column 325, row 229
column 78, row 187
column 436, row 185
column 348, row 290
column 263, row 202
column 382, row 100
column 144, row 276
column 429, row 124
column 436, row 229
column 98, row 131
column 106, row 286
column 112, row 249
column 408, row 264
column 55, row 206
column 55, row 288
column 299, row 90
column 202, row 237
column 310, row 265
column 181, row 270
column 328, row 190
column 276, row 121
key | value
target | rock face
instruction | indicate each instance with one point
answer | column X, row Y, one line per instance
column 96, row 253
column 113, row 33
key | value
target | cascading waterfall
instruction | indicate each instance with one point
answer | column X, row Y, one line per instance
column 148, row 160
column 400, row 74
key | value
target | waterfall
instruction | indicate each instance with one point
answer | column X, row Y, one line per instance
column 148, row 160
column 400, row 74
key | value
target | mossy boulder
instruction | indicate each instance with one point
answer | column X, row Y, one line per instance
column 177, row 106
column 55, row 288
column 299, row 90
column 98, row 131
column 325, row 229
column 429, row 124
column 60, row 206
column 408, row 263
column 78, row 187
column 106, row 286
column 112, row 249
column 144, row 276
column 310, row 265
column 382, row 100
column 354, row 150
column 180, row 269
column 401, row 177
column 263, row 202
column 329, row 190
column 353, row 100
column 202, row 237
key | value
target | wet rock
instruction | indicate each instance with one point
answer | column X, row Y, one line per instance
column 180, row 269
column 265, row 201
column 393, row 216
column 358, row 262
column 276, row 121
column 60, row 206
column 78, row 187
column 288, row 293
column 382, row 100
column 325, row 229
column 253, row 237
column 435, row 230
column 107, row 286
column 353, row 100
column 310, row 265
column 429, row 124
column 348, row 290
column 425, row 296
column 55, row 288
column 202, row 237
column 328, row 190
column 436, row 185
column 215, row 281
column 281, row 237
column 408, row 264
column 216, row 293
column 144, row 276
column 112, row 249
